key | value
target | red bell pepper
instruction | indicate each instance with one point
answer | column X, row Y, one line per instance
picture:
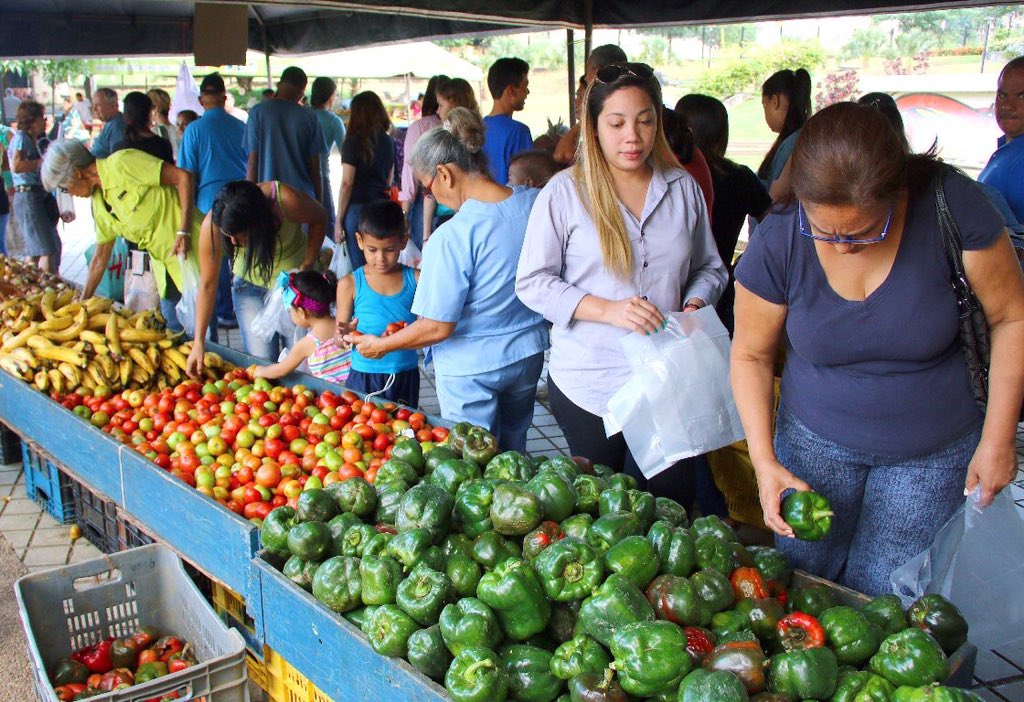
column 699, row 643
column 748, row 583
column 66, row 693
column 167, row 646
column 799, row 630
column 96, row 657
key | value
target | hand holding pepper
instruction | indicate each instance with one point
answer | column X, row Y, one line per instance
column 772, row 480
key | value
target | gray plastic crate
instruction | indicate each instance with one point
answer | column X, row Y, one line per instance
column 73, row 606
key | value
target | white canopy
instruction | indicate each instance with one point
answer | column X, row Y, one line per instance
column 420, row 59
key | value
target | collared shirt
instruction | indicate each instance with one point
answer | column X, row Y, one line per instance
column 29, row 150
column 285, row 135
column 412, row 135
column 212, row 149
column 1005, row 172
column 504, row 138
column 468, row 277
column 674, row 259
column 111, row 136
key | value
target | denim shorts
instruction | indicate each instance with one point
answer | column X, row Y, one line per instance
column 887, row 509
column 248, row 300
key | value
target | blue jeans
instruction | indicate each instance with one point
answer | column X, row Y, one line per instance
column 248, row 301
column 224, row 307
column 887, row 509
column 500, row 400
column 355, row 254
column 3, row 234
column 416, row 222
column 168, row 305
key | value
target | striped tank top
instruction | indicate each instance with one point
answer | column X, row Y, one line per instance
column 330, row 361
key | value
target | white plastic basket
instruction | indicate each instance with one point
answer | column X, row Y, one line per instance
column 73, row 606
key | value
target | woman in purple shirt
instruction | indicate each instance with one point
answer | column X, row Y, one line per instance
column 877, row 413
column 612, row 245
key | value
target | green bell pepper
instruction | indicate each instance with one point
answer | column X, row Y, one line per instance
column 473, row 507
column 427, row 652
column 934, row 693
column 635, row 559
column 316, row 506
column 337, row 583
column 457, row 544
column 714, row 588
column 491, row 548
column 862, row 686
column 715, row 526
column 577, row 526
column 409, row 547
column 310, row 541
column 457, row 436
column 729, row 622
column 358, row 616
column 563, row 465
column 809, row 514
column 389, row 498
column 676, row 600
column 69, row 670
column 515, row 511
column 668, row 510
column 529, row 673
column 424, row 594
column 150, row 671
column 852, row 636
column 744, row 659
column 409, row 450
column 940, row 618
column 805, row 674
column 614, row 604
column 714, row 553
column 812, row 598
column 464, row 574
column 480, row 446
column 378, row 544
column 436, row 456
column 510, row 465
column 513, row 590
column 612, row 528
column 393, row 469
column 450, row 475
column 546, row 534
column 569, row 569
column 588, row 493
column 380, row 577
column 623, row 481
column 389, row 631
column 433, row 558
column 596, row 687
column 773, row 564
column 910, row 657
column 556, row 494
column 764, row 615
column 338, row 527
column 718, row 685
column 274, row 532
column 886, row 611
column 642, row 504
column 356, row 538
column 675, row 546
column 426, row 506
column 579, row 655
column 562, row 624
column 650, row 657
column 476, row 675
column 469, row 623
column 354, row 495
column 300, row 572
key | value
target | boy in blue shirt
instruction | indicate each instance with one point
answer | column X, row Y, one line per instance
column 509, row 82
column 377, row 299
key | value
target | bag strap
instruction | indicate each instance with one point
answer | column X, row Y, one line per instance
column 952, row 241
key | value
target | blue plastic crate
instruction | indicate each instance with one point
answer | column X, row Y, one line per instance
column 47, row 485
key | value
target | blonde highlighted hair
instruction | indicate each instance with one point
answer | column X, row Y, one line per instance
column 593, row 176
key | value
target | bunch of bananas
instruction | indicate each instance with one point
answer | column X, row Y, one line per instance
column 21, row 278
column 90, row 347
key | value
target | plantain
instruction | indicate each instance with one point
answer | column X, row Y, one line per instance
column 142, row 335
column 87, row 382
column 124, row 370
column 46, row 305
column 20, row 339
column 23, row 355
column 77, row 346
column 153, row 353
column 72, row 375
column 212, row 360
column 176, row 358
column 56, row 323
column 165, row 344
column 70, row 310
column 113, row 334
column 92, row 337
column 140, row 376
column 41, row 380
column 95, row 305
column 170, row 370
column 107, row 367
column 39, row 342
column 64, row 297
column 62, row 354
column 81, row 319
column 141, row 360
column 56, row 380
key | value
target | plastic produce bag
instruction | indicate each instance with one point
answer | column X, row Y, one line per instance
column 186, row 307
column 275, row 317
column 976, row 562
column 411, row 255
column 341, row 265
column 140, row 293
column 678, row 403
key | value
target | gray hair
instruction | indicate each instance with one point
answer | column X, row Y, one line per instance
column 108, row 93
column 457, row 142
column 62, row 159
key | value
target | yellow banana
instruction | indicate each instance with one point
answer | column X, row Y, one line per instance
column 93, row 371
column 92, row 337
column 23, row 355
column 140, row 376
column 212, row 360
column 56, row 324
column 98, row 322
column 165, row 344
column 72, row 332
column 153, row 353
column 107, row 366
column 9, row 305
column 101, row 349
column 61, row 354
column 46, row 304
column 142, row 360
column 41, row 380
column 64, row 297
column 141, row 335
column 20, row 339
column 177, row 358
column 77, row 346
column 12, row 366
column 71, row 374
column 169, row 369
column 87, row 382
column 70, row 310
column 39, row 342
column 124, row 369
column 114, row 336
column 56, row 380
column 95, row 305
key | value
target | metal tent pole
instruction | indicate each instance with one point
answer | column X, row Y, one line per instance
column 571, row 60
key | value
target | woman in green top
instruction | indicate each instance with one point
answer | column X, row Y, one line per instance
column 135, row 196
column 260, row 226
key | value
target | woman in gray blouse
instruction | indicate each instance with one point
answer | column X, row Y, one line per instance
column 612, row 245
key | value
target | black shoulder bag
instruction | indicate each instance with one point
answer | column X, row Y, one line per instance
column 974, row 334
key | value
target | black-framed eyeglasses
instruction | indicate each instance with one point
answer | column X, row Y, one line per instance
column 612, row 72
column 430, row 185
column 841, row 239
column 64, row 190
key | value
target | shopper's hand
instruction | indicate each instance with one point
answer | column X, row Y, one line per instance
column 67, row 217
column 196, row 363
column 993, row 467
column 339, row 231
column 772, row 480
column 367, row 345
column 345, row 328
column 181, row 245
column 635, row 314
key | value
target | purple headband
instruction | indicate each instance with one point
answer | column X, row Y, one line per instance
column 314, row 307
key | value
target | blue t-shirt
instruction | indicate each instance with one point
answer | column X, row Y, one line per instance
column 29, row 150
column 468, row 276
column 212, row 149
column 285, row 135
column 504, row 138
column 1005, row 172
column 334, row 136
column 885, row 375
column 111, row 136
column 375, row 312
column 782, row 155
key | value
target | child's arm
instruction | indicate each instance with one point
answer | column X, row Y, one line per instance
column 299, row 353
column 345, row 303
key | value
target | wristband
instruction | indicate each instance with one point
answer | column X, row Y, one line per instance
column 182, row 232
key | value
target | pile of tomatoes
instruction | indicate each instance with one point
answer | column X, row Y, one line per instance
column 251, row 445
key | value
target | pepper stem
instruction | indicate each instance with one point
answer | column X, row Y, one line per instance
column 422, row 588
column 471, row 671
column 573, row 572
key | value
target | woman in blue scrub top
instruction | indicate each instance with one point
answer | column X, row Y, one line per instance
column 488, row 348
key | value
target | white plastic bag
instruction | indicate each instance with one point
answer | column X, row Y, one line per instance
column 186, row 307
column 411, row 255
column 275, row 317
column 340, row 263
column 976, row 561
column 678, row 403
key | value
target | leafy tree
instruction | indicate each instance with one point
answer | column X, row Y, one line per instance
column 864, row 44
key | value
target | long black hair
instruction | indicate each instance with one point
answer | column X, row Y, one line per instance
column 677, row 131
column 796, row 86
column 138, row 109
column 709, row 124
column 241, row 208
column 429, row 108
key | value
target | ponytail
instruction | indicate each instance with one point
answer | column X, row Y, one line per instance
column 796, row 86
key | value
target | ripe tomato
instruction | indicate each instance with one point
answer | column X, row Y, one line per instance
column 382, row 442
column 268, row 475
column 424, row 435
column 439, row 434
column 365, row 431
column 234, row 506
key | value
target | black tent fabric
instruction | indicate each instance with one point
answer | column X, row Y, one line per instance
column 70, row 28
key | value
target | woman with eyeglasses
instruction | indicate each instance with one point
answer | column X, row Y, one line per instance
column 488, row 348
column 615, row 243
column 259, row 227
column 139, row 197
column 877, row 413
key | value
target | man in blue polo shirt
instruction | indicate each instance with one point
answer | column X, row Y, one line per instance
column 509, row 82
column 1005, row 169
column 104, row 102
column 212, row 149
